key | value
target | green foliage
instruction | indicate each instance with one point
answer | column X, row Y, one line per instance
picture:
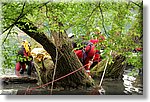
column 9, row 52
column 120, row 22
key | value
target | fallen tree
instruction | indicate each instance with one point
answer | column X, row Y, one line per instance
column 114, row 70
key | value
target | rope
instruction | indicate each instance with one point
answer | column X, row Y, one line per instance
column 57, row 79
column 54, row 70
column 104, row 71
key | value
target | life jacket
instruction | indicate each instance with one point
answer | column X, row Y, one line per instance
column 22, row 52
column 97, row 56
column 88, row 52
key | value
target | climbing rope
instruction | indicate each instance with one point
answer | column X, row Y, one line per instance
column 57, row 79
column 54, row 71
column 104, row 71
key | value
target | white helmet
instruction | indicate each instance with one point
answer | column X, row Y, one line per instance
column 70, row 35
column 97, row 29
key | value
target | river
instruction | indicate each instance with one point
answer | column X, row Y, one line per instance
column 129, row 85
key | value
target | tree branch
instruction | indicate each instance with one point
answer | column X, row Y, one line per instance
column 20, row 16
column 90, row 14
column 40, row 37
column 11, row 26
column 101, row 12
column 7, row 35
column 136, row 4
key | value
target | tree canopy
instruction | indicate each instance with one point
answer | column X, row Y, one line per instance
column 120, row 22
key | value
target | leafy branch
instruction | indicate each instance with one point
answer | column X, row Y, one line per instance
column 12, row 25
column 20, row 16
column 90, row 14
column 103, row 22
column 137, row 4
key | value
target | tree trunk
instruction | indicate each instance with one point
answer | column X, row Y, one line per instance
column 67, row 60
column 114, row 70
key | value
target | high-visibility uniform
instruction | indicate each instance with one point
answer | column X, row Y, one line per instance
column 97, row 56
column 85, row 55
column 89, row 53
column 24, row 58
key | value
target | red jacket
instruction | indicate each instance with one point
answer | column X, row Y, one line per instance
column 86, row 54
column 100, row 39
column 97, row 57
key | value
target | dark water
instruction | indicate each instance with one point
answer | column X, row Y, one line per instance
column 129, row 85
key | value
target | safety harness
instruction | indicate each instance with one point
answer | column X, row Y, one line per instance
column 86, row 52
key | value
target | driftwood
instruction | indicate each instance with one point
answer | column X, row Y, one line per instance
column 16, row 79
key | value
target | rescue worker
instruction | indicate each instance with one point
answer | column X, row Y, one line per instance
column 138, row 49
column 97, row 41
column 86, row 55
column 71, row 38
column 24, row 58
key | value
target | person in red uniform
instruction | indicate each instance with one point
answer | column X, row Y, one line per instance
column 100, row 38
column 24, row 58
column 138, row 49
column 86, row 55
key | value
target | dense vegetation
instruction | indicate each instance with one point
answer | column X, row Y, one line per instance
column 120, row 22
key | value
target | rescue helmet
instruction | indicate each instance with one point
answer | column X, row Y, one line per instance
column 97, row 29
column 71, row 35
column 26, row 46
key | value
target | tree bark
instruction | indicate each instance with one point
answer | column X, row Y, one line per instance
column 114, row 70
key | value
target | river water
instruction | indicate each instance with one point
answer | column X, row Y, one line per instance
column 129, row 85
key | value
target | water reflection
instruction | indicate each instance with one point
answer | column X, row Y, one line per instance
column 129, row 85
column 132, row 85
